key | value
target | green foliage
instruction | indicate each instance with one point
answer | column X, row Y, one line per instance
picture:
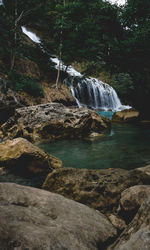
column 124, row 86
column 41, row 59
column 24, row 83
column 97, row 33
column 86, row 30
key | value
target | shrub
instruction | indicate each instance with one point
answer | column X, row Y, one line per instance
column 24, row 83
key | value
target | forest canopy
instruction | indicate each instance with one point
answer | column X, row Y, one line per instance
column 104, row 36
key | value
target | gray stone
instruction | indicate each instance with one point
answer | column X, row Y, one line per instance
column 137, row 235
column 53, row 121
column 100, row 189
column 36, row 219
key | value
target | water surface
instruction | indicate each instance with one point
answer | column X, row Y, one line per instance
column 126, row 146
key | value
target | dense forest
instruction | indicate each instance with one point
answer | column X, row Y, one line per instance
column 107, row 39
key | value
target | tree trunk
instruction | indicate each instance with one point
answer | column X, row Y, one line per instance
column 13, row 52
column 60, row 56
column 58, row 74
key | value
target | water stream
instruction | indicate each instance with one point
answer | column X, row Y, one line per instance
column 87, row 91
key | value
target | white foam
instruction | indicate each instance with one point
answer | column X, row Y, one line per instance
column 31, row 35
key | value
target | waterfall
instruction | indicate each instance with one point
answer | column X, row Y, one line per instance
column 94, row 93
column 87, row 91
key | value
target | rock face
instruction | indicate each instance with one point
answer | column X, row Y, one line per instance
column 35, row 219
column 53, row 121
column 137, row 235
column 8, row 102
column 133, row 197
column 61, row 95
column 21, row 157
column 25, row 66
column 100, row 189
column 126, row 115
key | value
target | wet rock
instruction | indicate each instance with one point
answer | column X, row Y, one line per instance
column 21, row 157
column 137, row 235
column 133, row 197
column 36, row 219
column 53, row 121
column 126, row 115
column 99, row 189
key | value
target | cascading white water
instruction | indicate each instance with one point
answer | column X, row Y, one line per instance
column 87, row 91
column 94, row 93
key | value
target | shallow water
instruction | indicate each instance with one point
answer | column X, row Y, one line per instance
column 126, row 146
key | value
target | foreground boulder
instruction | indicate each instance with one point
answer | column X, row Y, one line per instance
column 126, row 115
column 35, row 219
column 137, row 235
column 100, row 189
column 21, row 157
column 53, row 121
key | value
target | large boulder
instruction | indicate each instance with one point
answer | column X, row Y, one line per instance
column 36, row 219
column 126, row 115
column 137, row 235
column 133, row 197
column 21, row 157
column 100, row 189
column 53, row 121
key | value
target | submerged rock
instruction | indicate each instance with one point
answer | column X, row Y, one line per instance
column 53, row 121
column 21, row 157
column 36, row 219
column 100, row 189
column 126, row 115
column 137, row 235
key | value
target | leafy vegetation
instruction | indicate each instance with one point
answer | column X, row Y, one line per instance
column 103, row 36
column 24, row 83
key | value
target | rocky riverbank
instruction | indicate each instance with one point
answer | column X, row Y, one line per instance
column 58, row 220
column 77, row 208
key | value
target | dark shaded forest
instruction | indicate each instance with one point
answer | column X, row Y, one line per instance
column 105, row 38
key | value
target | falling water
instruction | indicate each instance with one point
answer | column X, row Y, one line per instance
column 87, row 91
column 94, row 93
